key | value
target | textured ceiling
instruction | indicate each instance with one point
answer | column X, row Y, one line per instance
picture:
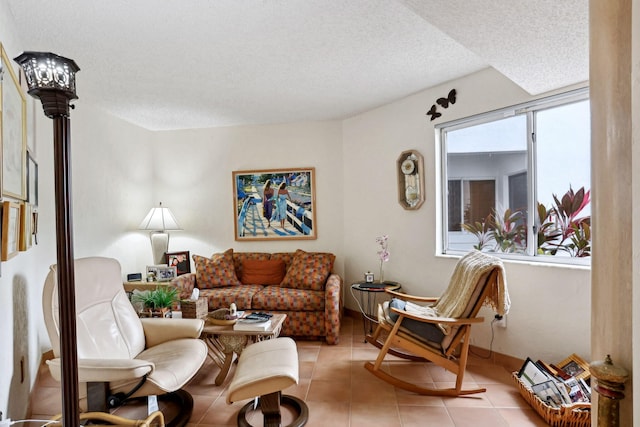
column 175, row 64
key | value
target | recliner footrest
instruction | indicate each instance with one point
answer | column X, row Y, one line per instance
column 264, row 370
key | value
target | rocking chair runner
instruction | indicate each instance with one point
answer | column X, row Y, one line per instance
column 435, row 332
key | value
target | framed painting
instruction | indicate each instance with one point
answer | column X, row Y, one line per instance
column 14, row 132
column 10, row 229
column 274, row 204
column 32, row 180
column 25, row 226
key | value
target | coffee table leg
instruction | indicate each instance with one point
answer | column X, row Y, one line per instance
column 224, row 369
column 230, row 344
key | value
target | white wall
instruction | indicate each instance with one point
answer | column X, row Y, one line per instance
column 22, row 277
column 550, row 313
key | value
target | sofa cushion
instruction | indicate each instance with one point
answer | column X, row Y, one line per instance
column 262, row 272
column 222, row 297
column 215, row 271
column 287, row 257
column 277, row 298
column 240, row 257
column 309, row 270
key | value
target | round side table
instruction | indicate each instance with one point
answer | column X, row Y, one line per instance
column 366, row 295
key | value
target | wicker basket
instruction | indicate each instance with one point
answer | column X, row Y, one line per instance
column 575, row 415
column 195, row 309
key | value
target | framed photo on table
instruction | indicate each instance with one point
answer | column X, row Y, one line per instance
column 274, row 204
column 13, row 106
column 179, row 260
column 10, row 229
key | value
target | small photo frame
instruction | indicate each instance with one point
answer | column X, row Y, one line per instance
column 32, row 180
column 531, row 373
column 575, row 366
column 161, row 273
column 549, row 393
column 10, row 229
column 26, row 224
column 180, row 260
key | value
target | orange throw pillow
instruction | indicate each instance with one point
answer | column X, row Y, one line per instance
column 262, row 272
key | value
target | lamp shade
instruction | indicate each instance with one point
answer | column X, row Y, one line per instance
column 52, row 79
column 159, row 219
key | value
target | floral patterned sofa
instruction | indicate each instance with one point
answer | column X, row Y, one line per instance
column 299, row 284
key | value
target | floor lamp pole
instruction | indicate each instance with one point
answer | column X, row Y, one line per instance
column 65, row 271
column 51, row 79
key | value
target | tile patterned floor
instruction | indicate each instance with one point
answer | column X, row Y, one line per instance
column 341, row 393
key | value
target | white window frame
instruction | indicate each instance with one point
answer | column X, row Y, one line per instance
column 529, row 109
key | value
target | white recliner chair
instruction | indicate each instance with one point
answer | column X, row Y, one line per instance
column 121, row 356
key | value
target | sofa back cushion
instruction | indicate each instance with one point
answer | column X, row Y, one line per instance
column 262, row 272
column 308, row 270
column 239, row 259
column 215, row 271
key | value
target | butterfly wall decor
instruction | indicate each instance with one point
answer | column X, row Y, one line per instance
column 444, row 103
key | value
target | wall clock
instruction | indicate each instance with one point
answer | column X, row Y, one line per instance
column 410, row 166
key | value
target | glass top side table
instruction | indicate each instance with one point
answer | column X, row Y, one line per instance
column 367, row 296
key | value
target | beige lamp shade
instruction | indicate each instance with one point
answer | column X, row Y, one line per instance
column 159, row 220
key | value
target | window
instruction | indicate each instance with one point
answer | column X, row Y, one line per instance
column 518, row 180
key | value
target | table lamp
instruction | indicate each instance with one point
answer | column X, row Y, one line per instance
column 159, row 220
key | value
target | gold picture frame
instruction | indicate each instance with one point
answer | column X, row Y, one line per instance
column 10, row 230
column 26, row 224
column 285, row 213
column 13, row 106
column 575, row 366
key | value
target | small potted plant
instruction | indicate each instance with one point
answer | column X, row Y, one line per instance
column 157, row 302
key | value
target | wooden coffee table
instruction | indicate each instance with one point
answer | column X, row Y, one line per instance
column 223, row 342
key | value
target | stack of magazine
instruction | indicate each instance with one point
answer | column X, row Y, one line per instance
column 253, row 322
column 557, row 385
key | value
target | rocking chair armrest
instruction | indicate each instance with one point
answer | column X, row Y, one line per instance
column 438, row 320
column 407, row 297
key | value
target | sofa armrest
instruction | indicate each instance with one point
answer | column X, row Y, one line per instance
column 185, row 284
column 157, row 331
column 104, row 370
column 333, row 308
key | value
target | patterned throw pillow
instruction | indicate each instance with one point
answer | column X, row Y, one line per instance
column 308, row 270
column 216, row 271
column 262, row 272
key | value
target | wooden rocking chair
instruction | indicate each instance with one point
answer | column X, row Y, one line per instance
column 434, row 333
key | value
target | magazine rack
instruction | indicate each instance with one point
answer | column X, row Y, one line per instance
column 575, row 415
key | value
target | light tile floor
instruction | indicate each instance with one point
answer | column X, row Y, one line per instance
column 341, row 393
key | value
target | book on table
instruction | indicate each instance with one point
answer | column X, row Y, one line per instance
column 244, row 325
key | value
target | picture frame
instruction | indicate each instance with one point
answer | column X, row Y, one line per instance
column 180, row 260
column 576, row 367
column 32, row 180
column 531, row 373
column 14, row 132
column 161, row 273
column 10, row 230
column 290, row 215
column 25, row 226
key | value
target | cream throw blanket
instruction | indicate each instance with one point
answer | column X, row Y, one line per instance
column 468, row 271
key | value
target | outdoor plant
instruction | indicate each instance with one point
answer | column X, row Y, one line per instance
column 560, row 228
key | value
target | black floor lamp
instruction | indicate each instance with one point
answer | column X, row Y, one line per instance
column 52, row 79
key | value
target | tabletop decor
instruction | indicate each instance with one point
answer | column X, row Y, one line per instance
column 383, row 253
